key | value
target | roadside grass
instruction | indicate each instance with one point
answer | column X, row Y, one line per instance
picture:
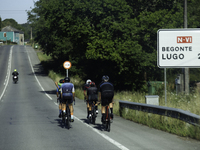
column 189, row 103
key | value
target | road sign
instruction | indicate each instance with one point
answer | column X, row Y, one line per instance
column 178, row 48
column 67, row 64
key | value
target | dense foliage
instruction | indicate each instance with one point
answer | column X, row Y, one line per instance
column 113, row 37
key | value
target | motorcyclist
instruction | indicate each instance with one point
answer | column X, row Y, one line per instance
column 15, row 73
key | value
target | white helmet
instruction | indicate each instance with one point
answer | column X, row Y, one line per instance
column 88, row 81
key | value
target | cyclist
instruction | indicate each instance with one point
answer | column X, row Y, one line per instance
column 68, row 95
column 106, row 94
column 85, row 87
column 92, row 96
column 58, row 85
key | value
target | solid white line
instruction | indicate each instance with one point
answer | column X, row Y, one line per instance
column 104, row 136
column 37, row 78
column 8, row 72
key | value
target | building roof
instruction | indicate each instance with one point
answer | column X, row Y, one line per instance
column 10, row 29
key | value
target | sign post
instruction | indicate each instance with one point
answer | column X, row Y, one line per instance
column 67, row 65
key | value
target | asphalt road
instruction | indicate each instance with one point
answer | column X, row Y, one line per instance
column 29, row 115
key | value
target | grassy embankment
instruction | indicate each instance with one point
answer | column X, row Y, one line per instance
column 189, row 103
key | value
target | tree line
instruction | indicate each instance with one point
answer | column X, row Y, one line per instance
column 117, row 38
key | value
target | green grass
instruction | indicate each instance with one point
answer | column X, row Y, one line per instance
column 189, row 103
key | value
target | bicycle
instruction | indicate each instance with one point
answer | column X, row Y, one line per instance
column 93, row 113
column 108, row 120
column 66, row 118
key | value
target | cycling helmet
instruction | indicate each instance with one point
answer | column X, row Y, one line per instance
column 15, row 70
column 62, row 81
column 92, row 84
column 88, row 81
column 105, row 78
column 67, row 79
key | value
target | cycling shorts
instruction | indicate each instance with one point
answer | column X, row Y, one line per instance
column 67, row 98
column 105, row 102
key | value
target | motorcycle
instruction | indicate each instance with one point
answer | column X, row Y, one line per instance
column 15, row 79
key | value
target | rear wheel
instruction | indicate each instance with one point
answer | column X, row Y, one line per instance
column 68, row 118
column 107, row 119
column 93, row 115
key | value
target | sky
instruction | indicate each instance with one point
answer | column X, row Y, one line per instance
column 16, row 9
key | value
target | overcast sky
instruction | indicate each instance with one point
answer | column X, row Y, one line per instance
column 15, row 9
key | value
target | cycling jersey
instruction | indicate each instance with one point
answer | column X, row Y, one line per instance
column 86, row 86
column 59, row 86
column 67, row 89
column 92, row 93
column 107, row 92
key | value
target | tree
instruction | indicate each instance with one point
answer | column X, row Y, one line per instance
column 113, row 37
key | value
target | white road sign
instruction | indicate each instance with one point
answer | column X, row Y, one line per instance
column 178, row 48
column 67, row 64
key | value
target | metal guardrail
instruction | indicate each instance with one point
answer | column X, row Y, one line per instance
column 161, row 110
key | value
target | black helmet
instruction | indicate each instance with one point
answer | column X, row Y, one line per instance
column 67, row 79
column 62, row 81
column 105, row 78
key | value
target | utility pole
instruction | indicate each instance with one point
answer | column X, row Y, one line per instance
column 31, row 33
column 186, row 70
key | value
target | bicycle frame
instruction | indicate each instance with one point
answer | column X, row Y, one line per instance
column 93, row 119
column 107, row 127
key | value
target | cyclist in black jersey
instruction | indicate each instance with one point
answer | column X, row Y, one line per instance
column 106, row 94
column 85, row 87
column 92, row 97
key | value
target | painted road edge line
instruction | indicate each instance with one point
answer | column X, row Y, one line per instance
column 104, row 136
column 8, row 72
column 36, row 77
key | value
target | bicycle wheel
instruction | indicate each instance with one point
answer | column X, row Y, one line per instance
column 108, row 123
column 93, row 114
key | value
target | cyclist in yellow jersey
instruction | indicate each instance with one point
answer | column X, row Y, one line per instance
column 58, row 85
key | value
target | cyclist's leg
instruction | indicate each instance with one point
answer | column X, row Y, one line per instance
column 90, row 108
column 111, row 109
column 96, row 107
column 87, row 108
column 103, row 111
column 60, row 106
column 64, row 105
column 70, row 104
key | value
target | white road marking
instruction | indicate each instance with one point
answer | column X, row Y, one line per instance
column 104, row 136
column 8, row 73
column 37, row 78
column 95, row 130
